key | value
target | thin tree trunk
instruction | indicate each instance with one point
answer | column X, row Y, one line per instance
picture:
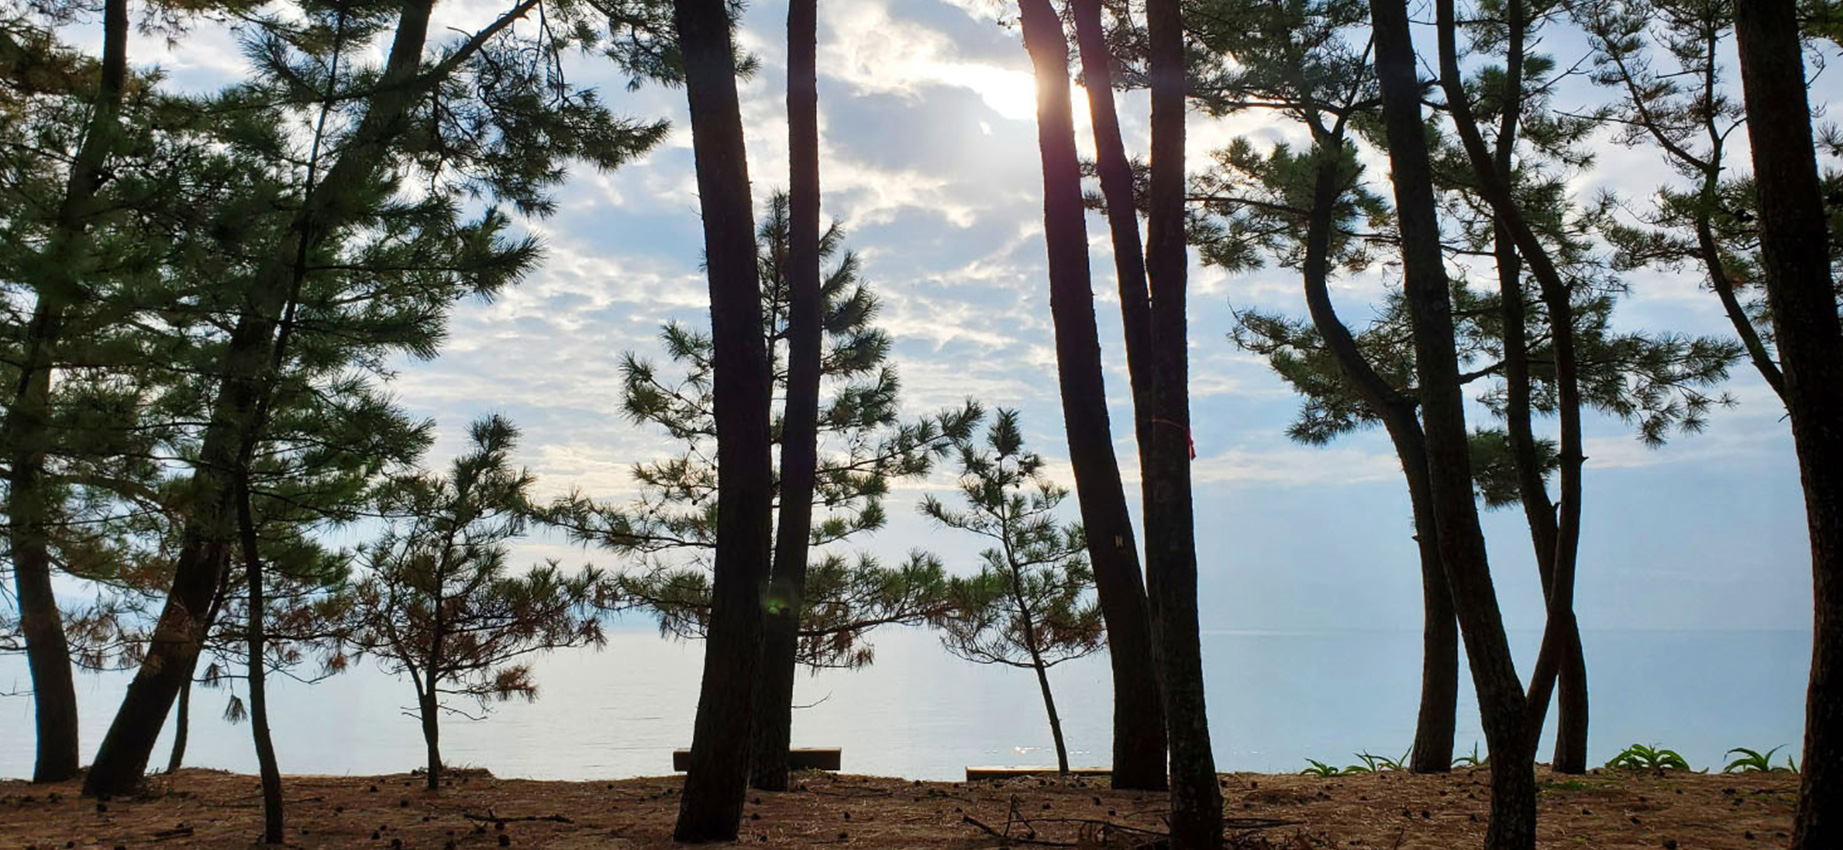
column 182, row 724
column 1435, row 721
column 1546, row 531
column 1027, row 618
column 1138, row 720
column 1723, row 284
column 1055, row 721
column 800, row 417
column 1462, row 543
column 30, row 504
column 1116, row 173
column 711, row 806
column 1561, row 631
column 258, row 671
column 1795, row 245
column 1171, row 547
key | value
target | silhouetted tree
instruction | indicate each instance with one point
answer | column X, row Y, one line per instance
column 56, row 277
column 1664, row 60
column 1796, row 254
column 1139, row 713
column 800, row 417
column 1171, row 545
column 741, row 379
column 862, row 447
column 1298, row 61
column 487, row 116
column 1462, row 543
column 1028, row 605
column 1099, row 491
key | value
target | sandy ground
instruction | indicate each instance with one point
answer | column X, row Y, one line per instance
column 200, row 808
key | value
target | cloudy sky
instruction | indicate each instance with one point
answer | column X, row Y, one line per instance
column 929, row 160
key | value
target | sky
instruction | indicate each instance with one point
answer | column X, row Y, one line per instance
column 929, row 161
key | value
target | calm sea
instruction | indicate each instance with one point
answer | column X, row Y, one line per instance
column 1275, row 699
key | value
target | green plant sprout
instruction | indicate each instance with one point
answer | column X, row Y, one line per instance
column 1652, row 758
column 1371, row 764
column 1753, row 761
column 1379, row 764
column 1319, row 768
column 1473, row 760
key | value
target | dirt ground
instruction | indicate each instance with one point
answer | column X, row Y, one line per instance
column 200, row 808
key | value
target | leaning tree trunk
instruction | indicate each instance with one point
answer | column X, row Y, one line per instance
column 182, row 718
column 1561, row 633
column 800, row 417
column 258, row 672
column 1462, row 542
column 1055, row 720
column 711, row 806
column 1435, row 721
column 1116, row 177
column 1438, row 714
column 1795, row 245
column 1171, row 550
column 1138, row 719
column 1027, row 618
column 27, row 432
column 180, row 632
column 1547, row 532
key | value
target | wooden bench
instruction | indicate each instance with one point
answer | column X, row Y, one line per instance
column 798, row 758
column 1012, row 772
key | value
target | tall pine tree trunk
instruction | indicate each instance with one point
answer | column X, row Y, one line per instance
column 711, row 806
column 1171, row 550
column 1138, row 736
column 1462, row 542
column 1799, row 287
column 258, row 671
column 800, row 418
column 1434, row 722
column 30, row 507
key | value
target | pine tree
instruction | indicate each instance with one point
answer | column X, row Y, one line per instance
column 335, row 266
column 1030, row 605
column 435, row 601
column 863, row 447
column 1306, row 211
column 1113, row 548
column 1462, row 544
column 741, row 377
column 1801, row 287
column 1170, row 526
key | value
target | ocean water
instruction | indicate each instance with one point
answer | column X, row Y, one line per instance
column 1275, row 699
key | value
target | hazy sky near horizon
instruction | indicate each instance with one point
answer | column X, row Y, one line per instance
column 929, row 160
